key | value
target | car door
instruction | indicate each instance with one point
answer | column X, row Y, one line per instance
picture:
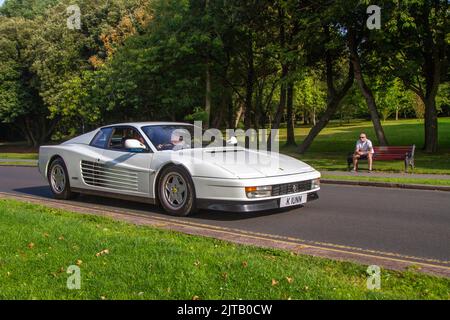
column 84, row 166
column 120, row 170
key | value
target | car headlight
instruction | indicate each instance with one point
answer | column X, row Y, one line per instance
column 315, row 183
column 258, row 192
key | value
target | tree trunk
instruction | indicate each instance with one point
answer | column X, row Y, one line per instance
column 208, row 95
column 290, row 116
column 239, row 113
column 431, row 126
column 434, row 49
column 249, row 87
column 284, row 72
column 314, row 116
column 365, row 90
column 334, row 100
column 281, row 106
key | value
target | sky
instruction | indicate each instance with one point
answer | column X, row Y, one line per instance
column 1, row 2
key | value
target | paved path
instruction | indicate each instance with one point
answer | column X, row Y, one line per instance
column 409, row 223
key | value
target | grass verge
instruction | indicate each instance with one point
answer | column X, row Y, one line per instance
column 124, row 261
column 18, row 163
column 28, row 156
column 433, row 182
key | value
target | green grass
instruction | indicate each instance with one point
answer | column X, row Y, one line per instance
column 37, row 244
column 18, row 163
column 329, row 150
column 434, row 182
column 28, row 156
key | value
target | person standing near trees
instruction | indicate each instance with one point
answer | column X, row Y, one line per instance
column 363, row 151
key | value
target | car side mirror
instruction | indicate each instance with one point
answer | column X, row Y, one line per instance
column 134, row 144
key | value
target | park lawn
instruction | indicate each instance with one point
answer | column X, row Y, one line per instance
column 39, row 243
column 329, row 150
column 433, row 182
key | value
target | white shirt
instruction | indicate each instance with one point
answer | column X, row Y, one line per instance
column 365, row 146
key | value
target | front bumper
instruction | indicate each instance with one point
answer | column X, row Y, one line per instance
column 246, row 206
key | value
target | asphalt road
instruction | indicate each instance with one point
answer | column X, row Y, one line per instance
column 400, row 221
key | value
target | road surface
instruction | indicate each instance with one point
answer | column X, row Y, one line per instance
column 404, row 222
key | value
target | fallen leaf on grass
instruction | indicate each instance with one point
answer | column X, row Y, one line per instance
column 289, row 280
column 31, row 245
column 101, row 253
column 61, row 238
column 274, row 282
column 244, row 264
column 195, row 298
column 79, row 262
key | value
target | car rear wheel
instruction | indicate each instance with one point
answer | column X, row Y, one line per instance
column 176, row 192
column 58, row 179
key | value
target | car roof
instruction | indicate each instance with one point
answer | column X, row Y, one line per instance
column 143, row 124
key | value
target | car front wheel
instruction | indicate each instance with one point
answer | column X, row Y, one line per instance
column 176, row 192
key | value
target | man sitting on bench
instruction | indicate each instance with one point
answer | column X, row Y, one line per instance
column 363, row 151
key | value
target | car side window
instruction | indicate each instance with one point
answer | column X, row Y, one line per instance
column 101, row 138
column 120, row 135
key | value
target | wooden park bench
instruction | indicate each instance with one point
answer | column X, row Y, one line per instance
column 404, row 153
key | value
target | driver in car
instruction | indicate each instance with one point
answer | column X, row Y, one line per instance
column 176, row 142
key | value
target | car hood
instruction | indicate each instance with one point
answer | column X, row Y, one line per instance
column 248, row 164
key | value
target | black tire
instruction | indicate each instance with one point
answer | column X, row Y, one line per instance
column 60, row 190
column 176, row 175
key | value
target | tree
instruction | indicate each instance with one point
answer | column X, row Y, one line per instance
column 20, row 102
column 310, row 97
column 415, row 49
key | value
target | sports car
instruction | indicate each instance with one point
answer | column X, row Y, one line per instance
column 154, row 162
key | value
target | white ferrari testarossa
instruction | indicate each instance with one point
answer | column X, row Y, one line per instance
column 155, row 163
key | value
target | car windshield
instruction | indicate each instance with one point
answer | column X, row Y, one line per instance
column 173, row 137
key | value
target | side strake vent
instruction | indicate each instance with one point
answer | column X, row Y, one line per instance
column 100, row 175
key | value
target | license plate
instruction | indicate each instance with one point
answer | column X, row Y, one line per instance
column 293, row 200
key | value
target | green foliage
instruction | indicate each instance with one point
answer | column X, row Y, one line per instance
column 25, row 8
column 149, row 60
column 310, row 96
column 393, row 98
column 198, row 115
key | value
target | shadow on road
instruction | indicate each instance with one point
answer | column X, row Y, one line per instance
column 42, row 191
